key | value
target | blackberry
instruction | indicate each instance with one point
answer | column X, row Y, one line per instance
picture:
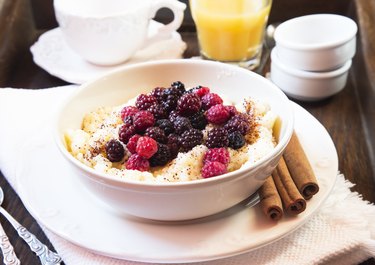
column 128, row 120
column 115, row 150
column 179, row 85
column 173, row 115
column 193, row 89
column 142, row 120
column 161, row 157
column 188, row 104
column 217, row 137
column 173, row 144
column 157, row 92
column 169, row 98
column 190, row 139
column 181, row 124
column 239, row 122
column 166, row 125
column 158, row 111
column 198, row 120
column 143, row 101
column 236, row 140
column 125, row 132
column 157, row 134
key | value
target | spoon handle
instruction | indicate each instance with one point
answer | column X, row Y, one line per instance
column 9, row 256
column 46, row 256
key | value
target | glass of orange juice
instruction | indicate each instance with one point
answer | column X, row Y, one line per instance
column 231, row 31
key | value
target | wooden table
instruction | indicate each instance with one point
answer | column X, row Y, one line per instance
column 349, row 116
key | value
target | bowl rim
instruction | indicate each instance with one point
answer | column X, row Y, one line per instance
column 107, row 179
column 281, row 41
column 308, row 74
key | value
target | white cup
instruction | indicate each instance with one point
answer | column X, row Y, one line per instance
column 108, row 32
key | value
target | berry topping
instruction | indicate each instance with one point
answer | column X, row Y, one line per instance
column 128, row 120
column 217, row 114
column 158, row 111
column 211, row 99
column 180, row 86
column 190, row 139
column 137, row 162
column 236, row 140
column 231, row 109
column 188, row 104
column 132, row 143
column 146, row 147
column 211, row 169
column 142, row 120
column 217, row 137
column 217, row 155
column 161, row 157
column 239, row 122
column 157, row 134
column 157, row 92
column 125, row 132
column 201, row 91
column 144, row 101
column 115, row 150
column 181, row 124
column 128, row 111
column 173, row 144
column 165, row 125
column 173, row 115
column 169, row 98
column 198, row 120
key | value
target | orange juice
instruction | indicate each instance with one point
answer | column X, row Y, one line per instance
column 230, row 30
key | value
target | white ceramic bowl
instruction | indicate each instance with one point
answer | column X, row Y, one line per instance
column 305, row 85
column 318, row 42
column 174, row 201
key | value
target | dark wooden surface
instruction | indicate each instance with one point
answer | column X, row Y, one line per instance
column 349, row 116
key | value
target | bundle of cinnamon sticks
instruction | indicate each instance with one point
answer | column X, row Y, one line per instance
column 290, row 185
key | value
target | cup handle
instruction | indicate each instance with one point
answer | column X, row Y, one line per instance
column 165, row 32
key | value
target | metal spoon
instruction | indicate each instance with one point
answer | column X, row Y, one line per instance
column 9, row 256
column 46, row 256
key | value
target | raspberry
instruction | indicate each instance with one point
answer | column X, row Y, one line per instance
column 202, row 90
column 142, row 120
column 180, row 86
column 232, row 110
column 132, row 143
column 217, row 137
column 128, row 120
column 128, row 111
column 143, row 101
column 161, row 157
column 125, row 132
column 136, row 162
column 157, row 134
column 146, row 147
column 115, row 150
column 157, row 92
column 217, row 114
column 181, row 124
column 158, row 111
column 236, row 140
column 211, row 99
column 198, row 120
column 211, row 169
column 165, row 125
column 173, row 144
column 190, row 138
column 239, row 122
column 188, row 104
column 217, row 155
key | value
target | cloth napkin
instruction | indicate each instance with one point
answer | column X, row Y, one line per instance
column 341, row 232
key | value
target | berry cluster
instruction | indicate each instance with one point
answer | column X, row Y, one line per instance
column 170, row 120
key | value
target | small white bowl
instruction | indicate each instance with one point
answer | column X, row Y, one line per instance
column 305, row 85
column 183, row 200
column 320, row 42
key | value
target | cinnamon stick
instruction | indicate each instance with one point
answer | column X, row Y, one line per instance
column 270, row 200
column 300, row 168
column 292, row 200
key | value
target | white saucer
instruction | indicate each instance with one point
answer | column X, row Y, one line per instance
column 53, row 54
column 56, row 199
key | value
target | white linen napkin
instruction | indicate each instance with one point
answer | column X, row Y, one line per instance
column 341, row 232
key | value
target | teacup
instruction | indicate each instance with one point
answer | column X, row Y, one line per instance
column 108, row 32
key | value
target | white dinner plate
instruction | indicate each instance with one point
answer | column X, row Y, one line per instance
column 51, row 192
column 53, row 54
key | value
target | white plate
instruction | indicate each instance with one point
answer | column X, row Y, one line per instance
column 53, row 54
column 57, row 200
